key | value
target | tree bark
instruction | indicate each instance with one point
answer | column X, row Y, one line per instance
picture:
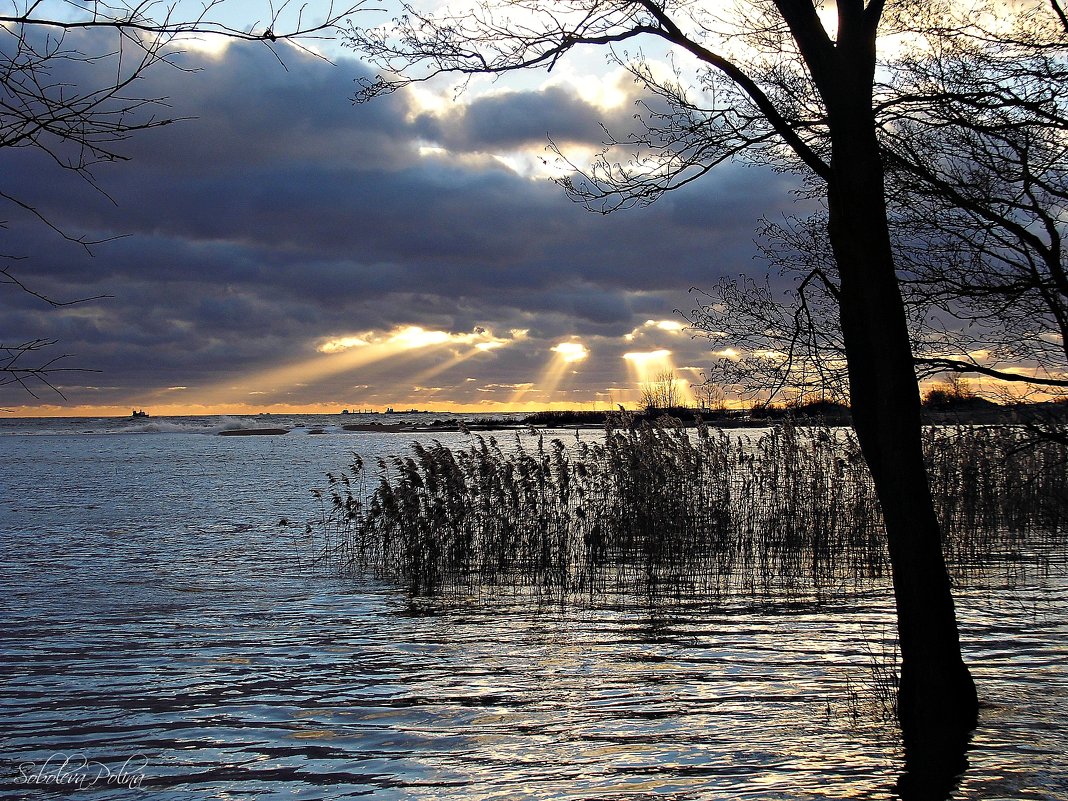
column 937, row 701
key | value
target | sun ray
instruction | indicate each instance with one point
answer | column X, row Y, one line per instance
column 447, row 364
column 348, row 353
column 645, row 366
column 565, row 354
column 649, row 367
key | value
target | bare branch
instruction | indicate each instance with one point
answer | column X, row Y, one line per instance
column 14, row 371
column 959, row 366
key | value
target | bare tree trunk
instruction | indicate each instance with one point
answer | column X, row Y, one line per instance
column 937, row 702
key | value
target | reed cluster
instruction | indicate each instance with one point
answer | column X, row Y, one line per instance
column 669, row 510
column 998, row 490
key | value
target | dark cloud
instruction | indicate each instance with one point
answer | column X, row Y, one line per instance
column 278, row 216
column 515, row 119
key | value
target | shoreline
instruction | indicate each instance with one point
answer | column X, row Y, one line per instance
column 690, row 418
column 1051, row 416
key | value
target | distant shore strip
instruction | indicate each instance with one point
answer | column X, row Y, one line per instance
column 817, row 414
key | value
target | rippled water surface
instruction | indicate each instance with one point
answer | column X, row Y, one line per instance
column 159, row 625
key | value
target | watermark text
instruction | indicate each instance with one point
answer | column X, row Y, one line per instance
column 78, row 772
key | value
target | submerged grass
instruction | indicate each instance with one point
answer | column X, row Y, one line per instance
column 681, row 512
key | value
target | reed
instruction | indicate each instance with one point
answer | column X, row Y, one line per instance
column 670, row 511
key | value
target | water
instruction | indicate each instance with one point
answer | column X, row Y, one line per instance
column 160, row 629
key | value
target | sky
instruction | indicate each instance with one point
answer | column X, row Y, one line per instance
column 281, row 249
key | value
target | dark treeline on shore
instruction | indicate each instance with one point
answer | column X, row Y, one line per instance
column 662, row 509
column 938, row 408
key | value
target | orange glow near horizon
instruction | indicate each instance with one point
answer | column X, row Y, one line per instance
column 248, row 409
column 238, row 396
column 416, row 391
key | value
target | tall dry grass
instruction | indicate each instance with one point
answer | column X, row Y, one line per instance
column 675, row 511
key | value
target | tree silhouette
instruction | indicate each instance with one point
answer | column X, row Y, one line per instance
column 661, row 393
column 972, row 131
column 979, row 189
column 777, row 85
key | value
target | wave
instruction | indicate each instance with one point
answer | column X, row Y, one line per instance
column 208, row 424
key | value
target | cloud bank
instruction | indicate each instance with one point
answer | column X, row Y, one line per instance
column 278, row 217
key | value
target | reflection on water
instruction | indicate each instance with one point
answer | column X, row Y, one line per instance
column 153, row 616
